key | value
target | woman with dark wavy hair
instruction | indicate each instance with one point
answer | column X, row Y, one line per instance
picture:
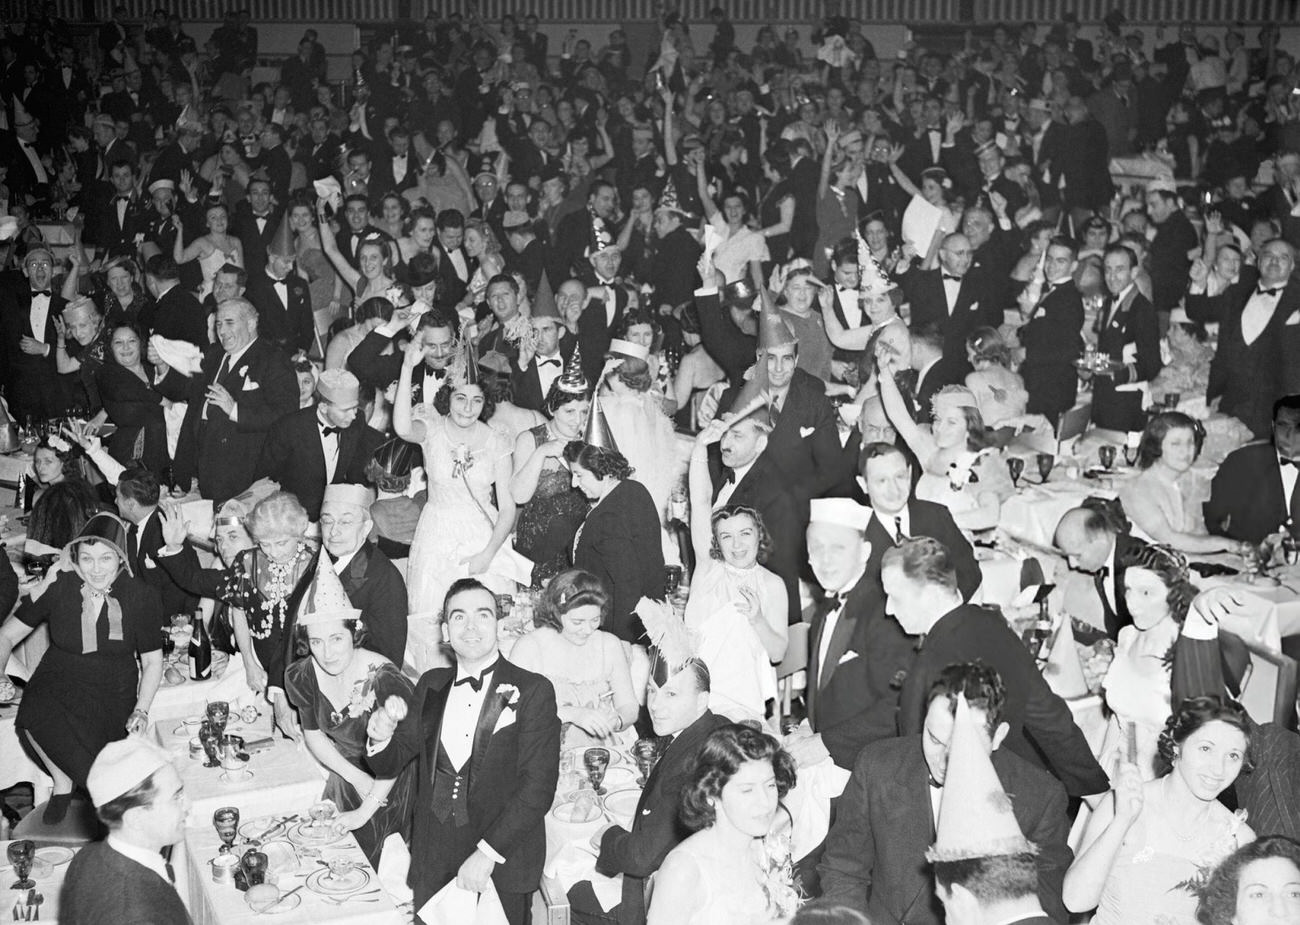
column 1258, row 884
column 1145, row 854
column 739, row 610
column 719, row 875
column 1158, row 592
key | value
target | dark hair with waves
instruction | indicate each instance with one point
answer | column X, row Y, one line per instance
column 442, row 401
column 1218, row 898
column 571, row 588
column 598, row 460
column 740, row 510
column 1159, row 427
column 1191, row 715
column 724, row 751
column 1171, row 568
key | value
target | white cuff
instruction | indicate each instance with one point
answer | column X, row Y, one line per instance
column 1197, row 627
column 375, row 746
column 170, row 551
column 489, row 851
column 1196, row 289
column 705, row 291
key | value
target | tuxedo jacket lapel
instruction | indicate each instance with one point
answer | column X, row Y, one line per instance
column 839, row 644
column 435, row 704
column 487, row 720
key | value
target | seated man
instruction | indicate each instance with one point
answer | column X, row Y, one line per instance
column 678, row 703
column 921, row 588
column 875, row 851
column 1253, row 494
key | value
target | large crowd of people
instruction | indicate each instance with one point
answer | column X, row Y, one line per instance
column 677, row 362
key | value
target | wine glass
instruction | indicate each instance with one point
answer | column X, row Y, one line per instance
column 168, row 644
column 218, row 713
column 210, row 739
column 1015, row 466
column 1172, row 399
column 672, row 579
column 1045, row 462
column 596, row 760
column 1130, row 454
column 645, row 752
column 21, row 854
column 321, row 813
column 226, row 822
column 1106, row 453
column 253, row 864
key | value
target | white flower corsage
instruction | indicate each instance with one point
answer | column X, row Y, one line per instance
column 962, row 473
column 509, row 693
column 462, row 460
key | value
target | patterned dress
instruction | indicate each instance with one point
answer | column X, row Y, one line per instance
column 548, row 522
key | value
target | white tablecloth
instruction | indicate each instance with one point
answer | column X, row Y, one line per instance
column 214, row 903
column 189, row 698
column 48, row 886
column 15, row 766
column 1033, row 512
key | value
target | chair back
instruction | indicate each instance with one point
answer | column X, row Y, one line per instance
column 1073, row 423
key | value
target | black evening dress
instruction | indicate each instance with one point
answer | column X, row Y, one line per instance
column 548, row 522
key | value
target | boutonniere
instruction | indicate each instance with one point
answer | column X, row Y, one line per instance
column 509, row 695
column 462, row 460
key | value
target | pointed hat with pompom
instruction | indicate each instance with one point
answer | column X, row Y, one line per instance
column 872, row 278
column 1064, row 671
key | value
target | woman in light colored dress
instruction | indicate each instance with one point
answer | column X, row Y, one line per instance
column 460, row 533
column 999, row 392
column 323, row 283
column 1163, row 500
column 730, row 872
column 1146, row 852
column 212, row 250
column 442, row 184
column 588, row 666
column 641, row 430
column 742, row 250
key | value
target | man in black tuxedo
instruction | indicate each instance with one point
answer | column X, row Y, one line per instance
column 678, row 703
column 255, row 222
column 320, row 155
column 1167, row 257
column 325, row 444
column 1082, row 161
column 282, row 298
column 373, row 584
column 137, row 502
column 1253, row 494
column 487, row 738
column 1050, row 335
column 933, row 368
column 925, row 149
column 175, row 313
column 244, row 387
column 728, row 462
column 887, row 480
column 951, row 297
column 885, row 819
column 1094, row 543
column 377, row 360
column 28, row 308
column 857, row 656
column 534, row 372
column 1128, row 334
column 118, row 216
column 606, row 307
column 920, row 584
column 455, row 267
column 272, row 161
column 1259, row 336
column 178, row 157
column 397, row 169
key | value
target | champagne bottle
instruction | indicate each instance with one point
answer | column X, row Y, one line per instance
column 200, row 651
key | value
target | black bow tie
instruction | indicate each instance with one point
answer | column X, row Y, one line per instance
column 549, row 361
column 122, row 198
column 326, row 431
column 44, row 292
column 729, row 476
column 476, row 681
column 955, row 279
column 261, row 218
column 1260, row 290
column 1293, row 463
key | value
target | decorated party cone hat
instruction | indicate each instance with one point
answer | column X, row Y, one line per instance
column 1064, row 672
column 325, row 599
column 282, row 244
column 975, row 816
column 598, row 432
column 872, row 278
column 544, row 302
column 572, row 379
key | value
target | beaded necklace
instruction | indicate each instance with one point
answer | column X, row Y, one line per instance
column 280, row 584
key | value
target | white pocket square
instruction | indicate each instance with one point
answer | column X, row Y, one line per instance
column 806, row 432
column 249, row 385
column 507, row 718
column 974, row 306
column 1129, row 354
column 847, row 657
column 1293, row 320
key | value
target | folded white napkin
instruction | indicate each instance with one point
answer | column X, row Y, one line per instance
column 453, row 905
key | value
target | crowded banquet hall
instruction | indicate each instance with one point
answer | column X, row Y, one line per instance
column 785, row 438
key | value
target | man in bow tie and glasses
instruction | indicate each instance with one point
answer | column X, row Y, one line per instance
column 487, row 738
column 1259, row 335
column 954, row 297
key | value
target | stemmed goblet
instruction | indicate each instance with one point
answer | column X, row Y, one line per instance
column 1016, row 467
column 1045, row 462
column 21, row 854
column 596, row 760
column 645, row 752
column 226, row 821
column 218, row 713
column 210, row 739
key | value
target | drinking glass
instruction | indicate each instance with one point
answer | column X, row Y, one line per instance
column 168, row 644
column 210, row 739
column 1290, row 549
column 1015, row 466
column 1045, row 461
column 672, row 579
column 1130, row 455
column 21, row 854
column 226, row 822
column 218, row 713
column 233, row 756
column 1106, row 453
column 321, row 813
column 1172, row 399
column 253, row 863
column 645, row 752
column 596, row 760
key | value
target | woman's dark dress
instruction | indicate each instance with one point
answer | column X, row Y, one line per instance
column 76, row 702
column 347, row 731
column 769, row 214
column 136, row 409
column 547, row 524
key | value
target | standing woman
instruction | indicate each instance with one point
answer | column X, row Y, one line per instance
column 124, row 384
column 374, row 273
column 87, row 691
column 213, row 250
column 461, row 533
column 322, row 282
column 550, row 508
column 837, row 200
column 776, row 211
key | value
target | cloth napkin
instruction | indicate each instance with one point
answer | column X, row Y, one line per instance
column 453, row 905
column 576, row 863
column 809, row 804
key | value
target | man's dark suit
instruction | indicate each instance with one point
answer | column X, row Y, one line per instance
column 293, row 456
column 1052, row 343
column 375, row 587
column 949, row 369
column 595, row 331
column 918, row 155
column 225, row 453
column 175, row 599
column 1247, row 498
column 178, row 315
column 104, row 885
column 381, row 177
column 117, row 237
column 884, row 823
column 451, row 288
column 925, row 518
column 1168, row 260
column 1118, row 617
column 274, row 164
column 975, row 307
column 172, row 160
column 1248, row 378
column 243, row 224
column 1131, row 324
column 1043, row 731
column 511, row 780
column 1083, row 160
column 291, row 328
column 31, row 382
column 372, row 366
column 526, row 384
column 656, row 827
column 853, row 696
column 619, row 543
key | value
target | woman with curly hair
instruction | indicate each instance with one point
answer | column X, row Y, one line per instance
column 1258, row 884
column 1158, row 592
column 999, row 392
column 738, row 608
column 1146, row 853
column 587, row 665
column 720, row 874
column 619, row 540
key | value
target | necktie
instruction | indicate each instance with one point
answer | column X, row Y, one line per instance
column 167, row 864
column 1260, row 290
column 898, row 529
column 133, row 543
column 1099, row 582
column 223, row 368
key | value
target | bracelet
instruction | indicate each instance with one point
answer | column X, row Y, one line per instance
column 378, row 801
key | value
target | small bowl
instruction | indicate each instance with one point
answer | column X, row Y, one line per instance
column 224, row 867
